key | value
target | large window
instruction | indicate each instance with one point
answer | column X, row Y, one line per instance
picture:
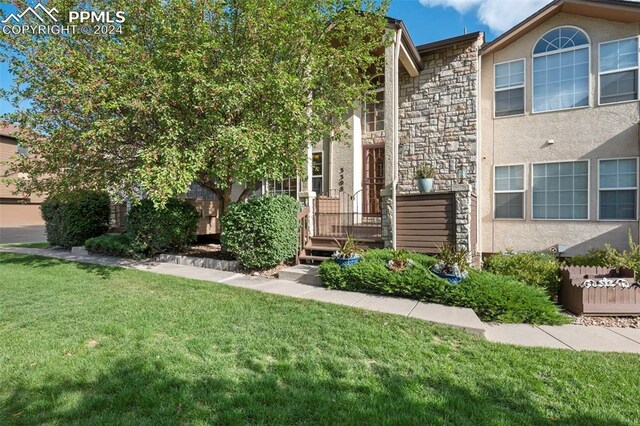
column 509, row 192
column 374, row 111
column 561, row 70
column 619, row 71
column 618, row 186
column 316, row 170
column 509, row 88
column 561, row 190
column 285, row 186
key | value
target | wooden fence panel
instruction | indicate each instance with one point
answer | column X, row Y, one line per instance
column 425, row 221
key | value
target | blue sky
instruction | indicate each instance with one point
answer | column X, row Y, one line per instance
column 427, row 20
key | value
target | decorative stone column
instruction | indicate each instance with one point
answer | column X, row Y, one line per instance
column 307, row 198
column 463, row 218
column 386, row 196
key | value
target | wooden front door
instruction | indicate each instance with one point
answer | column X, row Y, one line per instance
column 373, row 178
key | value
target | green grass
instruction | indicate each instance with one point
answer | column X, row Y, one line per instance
column 41, row 245
column 95, row 345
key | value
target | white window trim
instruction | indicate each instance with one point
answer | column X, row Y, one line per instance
column 569, row 49
column 618, row 189
column 601, row 73
column 524, row 87
column 588, row 191
column 523, row 191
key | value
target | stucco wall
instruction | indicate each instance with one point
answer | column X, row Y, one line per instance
column 591, row 133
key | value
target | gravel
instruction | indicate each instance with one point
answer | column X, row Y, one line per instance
column 624, row 322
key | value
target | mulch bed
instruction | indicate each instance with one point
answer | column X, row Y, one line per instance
column 214, row 251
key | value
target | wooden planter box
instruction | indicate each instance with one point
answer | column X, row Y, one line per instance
column 598, row 300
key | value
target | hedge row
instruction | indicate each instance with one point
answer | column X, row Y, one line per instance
column 492, row 297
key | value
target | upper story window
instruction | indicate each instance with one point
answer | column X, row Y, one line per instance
column 509, row 88
column 618, row 71
column 374, row 111
column 561, row 70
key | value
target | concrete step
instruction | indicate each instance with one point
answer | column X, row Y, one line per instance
column 303, row 274
column 313, row 258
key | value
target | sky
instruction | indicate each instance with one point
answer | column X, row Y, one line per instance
column 426, row 20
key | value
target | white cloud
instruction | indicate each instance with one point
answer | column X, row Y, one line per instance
column 498, row 15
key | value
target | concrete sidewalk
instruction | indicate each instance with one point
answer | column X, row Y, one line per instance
column 571, row 337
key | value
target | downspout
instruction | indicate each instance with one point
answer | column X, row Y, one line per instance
column 396, row 60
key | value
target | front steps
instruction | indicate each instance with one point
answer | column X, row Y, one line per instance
column 318, row 249
column 303, row 274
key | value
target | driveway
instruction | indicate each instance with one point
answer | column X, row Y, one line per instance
column 22, row 234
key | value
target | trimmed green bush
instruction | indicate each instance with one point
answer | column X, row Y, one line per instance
column 492, row 297
column 154, row 230
column 535, row 269
column 111, row 245
column 72, row 218
column 504, row 299
column 262, row 232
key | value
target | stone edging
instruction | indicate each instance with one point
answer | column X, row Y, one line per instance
column 200, row 262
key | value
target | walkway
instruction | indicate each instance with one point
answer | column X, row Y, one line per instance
column 574, row 337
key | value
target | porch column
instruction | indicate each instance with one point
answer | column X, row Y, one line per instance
column 463, row 219
column 307, row 196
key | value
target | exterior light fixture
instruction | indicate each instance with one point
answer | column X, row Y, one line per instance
column 462, row 173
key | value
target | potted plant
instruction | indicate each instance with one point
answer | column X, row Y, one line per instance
column 400, row 261
column 348, row 253
column 424, row 176
column 453, row 265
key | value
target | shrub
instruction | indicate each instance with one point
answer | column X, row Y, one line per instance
column 492, row 297
column 262, row 232
column 535, row 269
column 504, row 299
column 371, row 275
column 153, row 230
column 72, row 218
column 111, row 245
column 611, row 257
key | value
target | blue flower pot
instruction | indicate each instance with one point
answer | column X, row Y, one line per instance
column 343, row 262
column 451, row 278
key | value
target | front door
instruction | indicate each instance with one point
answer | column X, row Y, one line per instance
column 373, row 178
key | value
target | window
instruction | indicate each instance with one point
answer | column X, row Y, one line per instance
column 316, row 172
column 619, row 71
column 23, row 151
column 509, row 192
column 509, row 88
column 618, row 185
column 561, row 70
column 561, row 190
column 286, row 186
column 374, row 111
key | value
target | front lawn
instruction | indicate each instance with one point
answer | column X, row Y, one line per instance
column 97, row 345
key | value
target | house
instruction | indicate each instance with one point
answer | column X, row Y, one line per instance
column 534, row 138
column 20, row 219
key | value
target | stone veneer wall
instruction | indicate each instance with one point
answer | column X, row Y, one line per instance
column 438, row 117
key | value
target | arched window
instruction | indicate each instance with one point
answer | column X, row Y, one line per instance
column 374, row 111
column 561, row 70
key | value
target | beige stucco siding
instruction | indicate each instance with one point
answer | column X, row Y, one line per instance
column 592, row 133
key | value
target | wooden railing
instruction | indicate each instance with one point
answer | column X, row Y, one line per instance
column 303, row 233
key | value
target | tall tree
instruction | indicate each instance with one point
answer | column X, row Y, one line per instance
column 213, row 91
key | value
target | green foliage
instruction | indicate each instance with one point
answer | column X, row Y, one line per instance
column 348, row 249
column 111, row 245
column 262, row 232
column 504, row 299
column 425, row 172
column 611, row 257
column 152, row 229
column 492, row 297
column 72, row 218
column 215, row 91
column 535, row 269
column 453, row 259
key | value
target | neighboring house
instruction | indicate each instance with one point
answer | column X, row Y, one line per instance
column 20, row 219
column 534, row 138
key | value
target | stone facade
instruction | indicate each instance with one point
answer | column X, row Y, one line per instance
column 438, row 117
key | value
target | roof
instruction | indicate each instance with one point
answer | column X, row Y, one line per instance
column 8, row 130
column 441, row 44
column 407, row 41
column 615, row 10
